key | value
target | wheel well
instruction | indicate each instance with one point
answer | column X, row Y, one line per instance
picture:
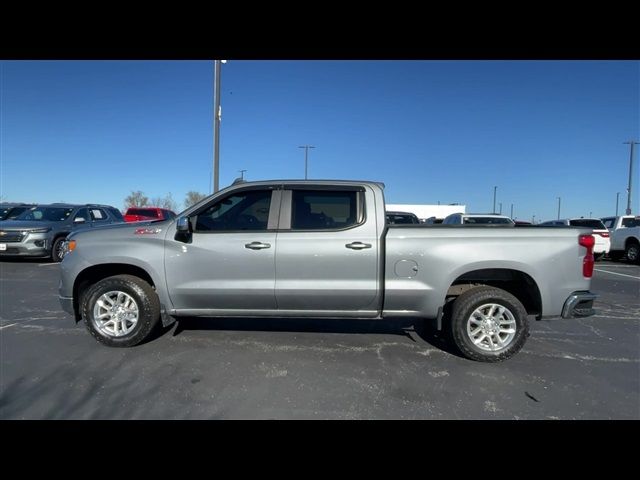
column 91, row 275
column 631, row 241
column 517, row 283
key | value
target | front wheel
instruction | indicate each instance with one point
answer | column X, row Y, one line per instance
column 633, row 253
column 57, row 250
column 488, row 324
column 120, row 311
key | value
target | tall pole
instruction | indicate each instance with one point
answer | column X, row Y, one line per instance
column 559, row 200
column 217, row 115
column 242, row 174
column 494, row 199
column 512, row 210
column 306, row 155
column 617, row 198
column 533, row 219
column 632, row 143
column 500, row 208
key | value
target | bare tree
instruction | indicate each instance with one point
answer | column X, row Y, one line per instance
column 136, row 199
column 192, row 198
column 165, row 202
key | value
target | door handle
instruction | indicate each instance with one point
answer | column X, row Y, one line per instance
column 257, row 245
column 358, row 245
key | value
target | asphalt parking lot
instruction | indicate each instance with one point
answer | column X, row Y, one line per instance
column 302, row 369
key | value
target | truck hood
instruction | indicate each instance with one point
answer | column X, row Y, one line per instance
column 22, row 225
column 118, row 229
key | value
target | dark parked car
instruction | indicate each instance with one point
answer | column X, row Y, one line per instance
column 397, row 218
column 40, row 231
column 9, row 211
column 144, row 214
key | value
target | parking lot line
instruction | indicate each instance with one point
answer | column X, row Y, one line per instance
column 46, row 264
column 616, row 273
column 6, row 326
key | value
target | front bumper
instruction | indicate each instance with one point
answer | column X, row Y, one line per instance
column 579, row 304
column 67, row 304
column 31, row 245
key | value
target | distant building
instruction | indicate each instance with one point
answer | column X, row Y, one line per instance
column 427, row 211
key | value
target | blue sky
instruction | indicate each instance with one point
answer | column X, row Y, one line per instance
column 447, row 131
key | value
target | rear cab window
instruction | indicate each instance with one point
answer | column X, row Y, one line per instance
column 587, row 223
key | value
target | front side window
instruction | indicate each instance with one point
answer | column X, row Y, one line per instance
column 631, row 222
column 319, row 209
column 82, row 213
column 247, row 210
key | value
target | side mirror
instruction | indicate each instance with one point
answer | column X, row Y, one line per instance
column 183, row 226
column 79, row 220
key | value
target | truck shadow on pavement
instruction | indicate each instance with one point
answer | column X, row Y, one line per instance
column 415, row 330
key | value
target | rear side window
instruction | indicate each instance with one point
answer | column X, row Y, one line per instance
column 588, row 223
column 98, row 215
column 116, row 214
column 321, row 209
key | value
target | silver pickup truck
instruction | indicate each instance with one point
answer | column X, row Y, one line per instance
column 323, row 249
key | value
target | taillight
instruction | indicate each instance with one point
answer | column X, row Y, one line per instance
column 588, row 242
column 602, row 234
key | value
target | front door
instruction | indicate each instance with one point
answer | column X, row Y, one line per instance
column 228, row 261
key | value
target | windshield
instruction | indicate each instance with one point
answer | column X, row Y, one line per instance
column 46, row 214
column 597, row 224
column 487, row 221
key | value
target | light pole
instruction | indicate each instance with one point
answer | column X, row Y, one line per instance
column 533, row 219
column 217, row 116
column 617, row 198
column 306, row 154
column 500, row 208
column 590, row 213
column 512, row 210
column 632, row 143
column 559, row 200
column 242, row 174
column 494, row 199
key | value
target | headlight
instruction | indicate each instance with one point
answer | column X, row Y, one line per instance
column 68, row 246
column 39, row 230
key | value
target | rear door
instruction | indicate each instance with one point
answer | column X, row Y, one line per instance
column 327, row 252
column 227, row 263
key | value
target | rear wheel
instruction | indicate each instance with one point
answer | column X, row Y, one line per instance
column 488, row 324
column 120, row 311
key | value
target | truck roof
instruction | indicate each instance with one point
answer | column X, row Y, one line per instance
column 309, row 182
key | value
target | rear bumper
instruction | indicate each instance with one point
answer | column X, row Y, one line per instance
column 579, row 304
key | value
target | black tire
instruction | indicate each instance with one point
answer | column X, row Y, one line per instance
column 633, row 252
column 56, row 253
column 615, row 255
column 145, row 298
column 467, row 303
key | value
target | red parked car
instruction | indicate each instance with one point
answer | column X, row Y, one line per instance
column 144, row 214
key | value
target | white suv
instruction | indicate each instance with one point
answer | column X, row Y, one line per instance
column 600, row 232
